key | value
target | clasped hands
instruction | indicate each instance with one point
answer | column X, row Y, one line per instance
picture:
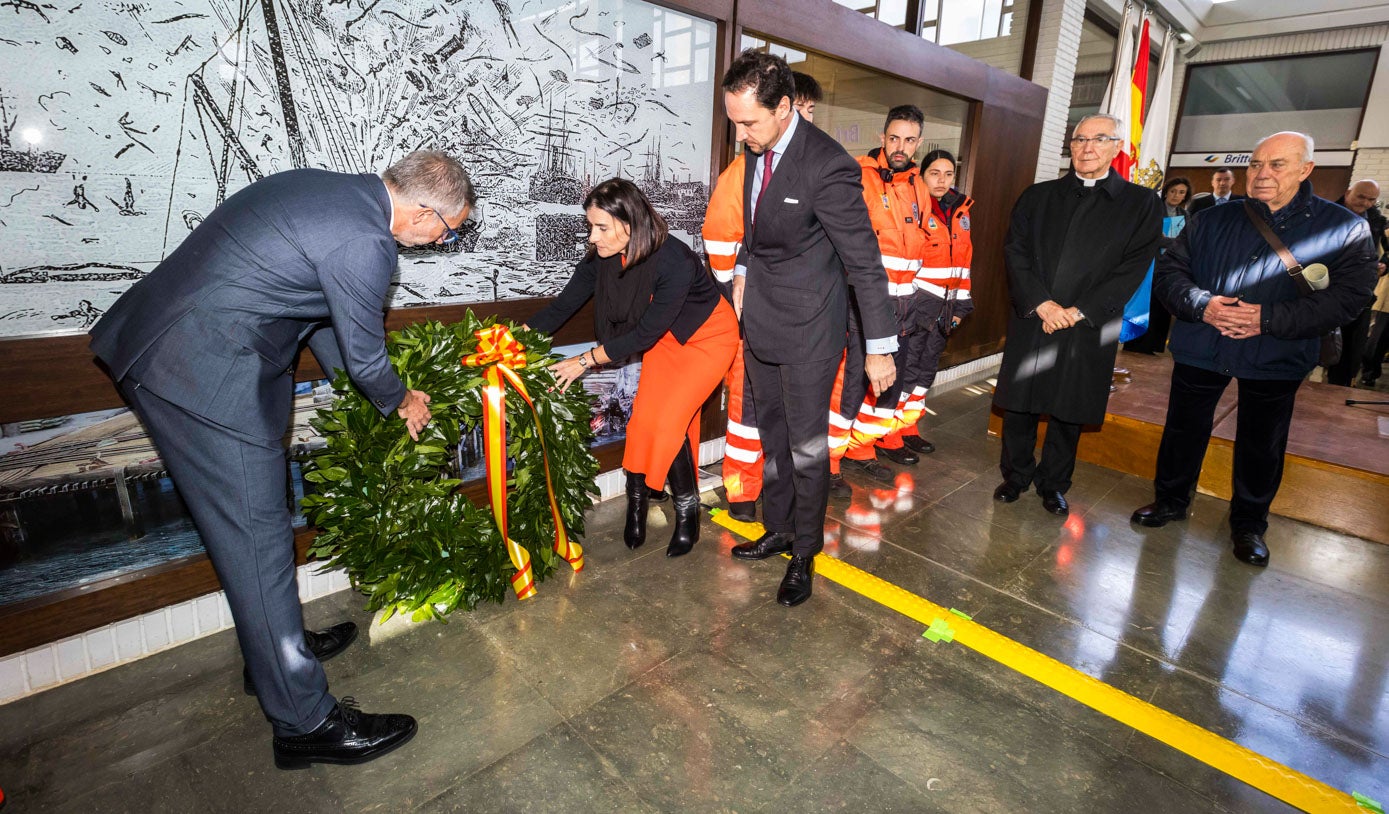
column 1055, row 318
column 1233, row 317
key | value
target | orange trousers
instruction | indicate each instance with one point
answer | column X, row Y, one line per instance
column 675, row 381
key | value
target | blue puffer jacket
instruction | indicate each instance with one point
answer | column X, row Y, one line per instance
column 1221, row 253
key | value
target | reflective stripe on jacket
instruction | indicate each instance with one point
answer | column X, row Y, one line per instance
column 723, row 222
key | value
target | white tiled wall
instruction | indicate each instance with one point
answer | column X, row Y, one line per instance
column 48, row 666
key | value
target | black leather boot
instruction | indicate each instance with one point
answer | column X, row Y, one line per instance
column 634, row 533
column 684, row 498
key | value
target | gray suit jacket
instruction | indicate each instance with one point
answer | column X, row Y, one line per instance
column 216, row 326
column 811, row 236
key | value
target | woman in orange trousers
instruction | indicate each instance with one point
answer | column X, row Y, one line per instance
column 651, row 295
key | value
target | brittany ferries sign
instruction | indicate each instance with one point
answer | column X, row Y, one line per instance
column 1326, row 158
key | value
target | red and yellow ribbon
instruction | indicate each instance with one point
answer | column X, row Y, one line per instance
column 499, row 352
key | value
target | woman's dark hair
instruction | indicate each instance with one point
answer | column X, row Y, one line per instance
column 1172, row 182
column 621, row 199
column 936, row 155
column 769, row 76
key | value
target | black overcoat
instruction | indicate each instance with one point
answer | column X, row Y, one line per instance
column 1080, row 247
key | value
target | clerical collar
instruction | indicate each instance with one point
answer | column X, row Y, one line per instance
column 1090, row 182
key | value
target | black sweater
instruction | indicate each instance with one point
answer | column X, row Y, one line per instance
column 683, row 299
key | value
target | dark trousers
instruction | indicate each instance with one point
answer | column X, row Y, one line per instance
column 921, row 359
column 234, row 486
column 1354, row 335
column 1018, row 465
column 1261, row 436
column 793, row 401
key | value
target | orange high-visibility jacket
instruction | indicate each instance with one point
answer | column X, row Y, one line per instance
column 898, row 210
column 723, row 221
column 946, row 260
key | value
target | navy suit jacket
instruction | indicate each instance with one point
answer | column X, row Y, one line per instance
column 304, row 254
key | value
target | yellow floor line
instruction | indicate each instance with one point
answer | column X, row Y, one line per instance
column 1270, row 777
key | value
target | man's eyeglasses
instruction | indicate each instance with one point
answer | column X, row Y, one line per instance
column 1098, row 141
column 450, row 236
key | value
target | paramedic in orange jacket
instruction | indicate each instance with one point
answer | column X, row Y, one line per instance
column 723, row 234
column 942, row 296
column 898, row 206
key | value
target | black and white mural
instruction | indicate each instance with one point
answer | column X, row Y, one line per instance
column 124, row 122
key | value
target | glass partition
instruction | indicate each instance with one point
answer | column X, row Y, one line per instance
column 857, row 100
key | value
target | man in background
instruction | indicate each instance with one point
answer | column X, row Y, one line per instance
column 1222, row 186
column 1360, row 198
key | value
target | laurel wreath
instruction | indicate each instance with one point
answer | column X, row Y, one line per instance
column 389, row 511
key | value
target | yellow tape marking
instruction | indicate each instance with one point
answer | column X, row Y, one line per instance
column 1268, row 776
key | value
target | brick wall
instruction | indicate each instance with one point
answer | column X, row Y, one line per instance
column 1058, row 45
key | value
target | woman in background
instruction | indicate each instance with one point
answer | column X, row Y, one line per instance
column 651, row 295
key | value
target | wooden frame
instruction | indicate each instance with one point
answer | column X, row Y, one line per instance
column 58, row 376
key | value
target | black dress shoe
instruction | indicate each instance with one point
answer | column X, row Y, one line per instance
column 768, row 545
column 1054, row 502
column 1007, row 492
column 840, row 487
column 1250, row 548
column 918, row 444
column 1157, row 514
column 872, row 468
column 324, row 644
column 901, row 455
column 795, row 586
column 347, row 736
column 657, row 495
column 744, row 511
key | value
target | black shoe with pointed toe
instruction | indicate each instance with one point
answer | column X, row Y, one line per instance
column 795, row 586
column 347, row 736
column 324, row 644
column 1054, row 502
column 768, row 545
column 1157, row 514
column 1007, row 492
column 1250, row 548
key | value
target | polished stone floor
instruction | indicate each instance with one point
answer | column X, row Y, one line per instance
column 646, row 684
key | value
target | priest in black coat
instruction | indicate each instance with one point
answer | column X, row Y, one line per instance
column 1077, row 249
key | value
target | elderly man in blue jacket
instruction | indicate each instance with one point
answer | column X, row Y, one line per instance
column 1242, row 316
column 203, row 348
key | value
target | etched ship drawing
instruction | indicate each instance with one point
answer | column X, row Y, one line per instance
column 12, row 160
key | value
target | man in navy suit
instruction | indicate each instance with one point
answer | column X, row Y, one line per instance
column 203, row 348
column 808, row 240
